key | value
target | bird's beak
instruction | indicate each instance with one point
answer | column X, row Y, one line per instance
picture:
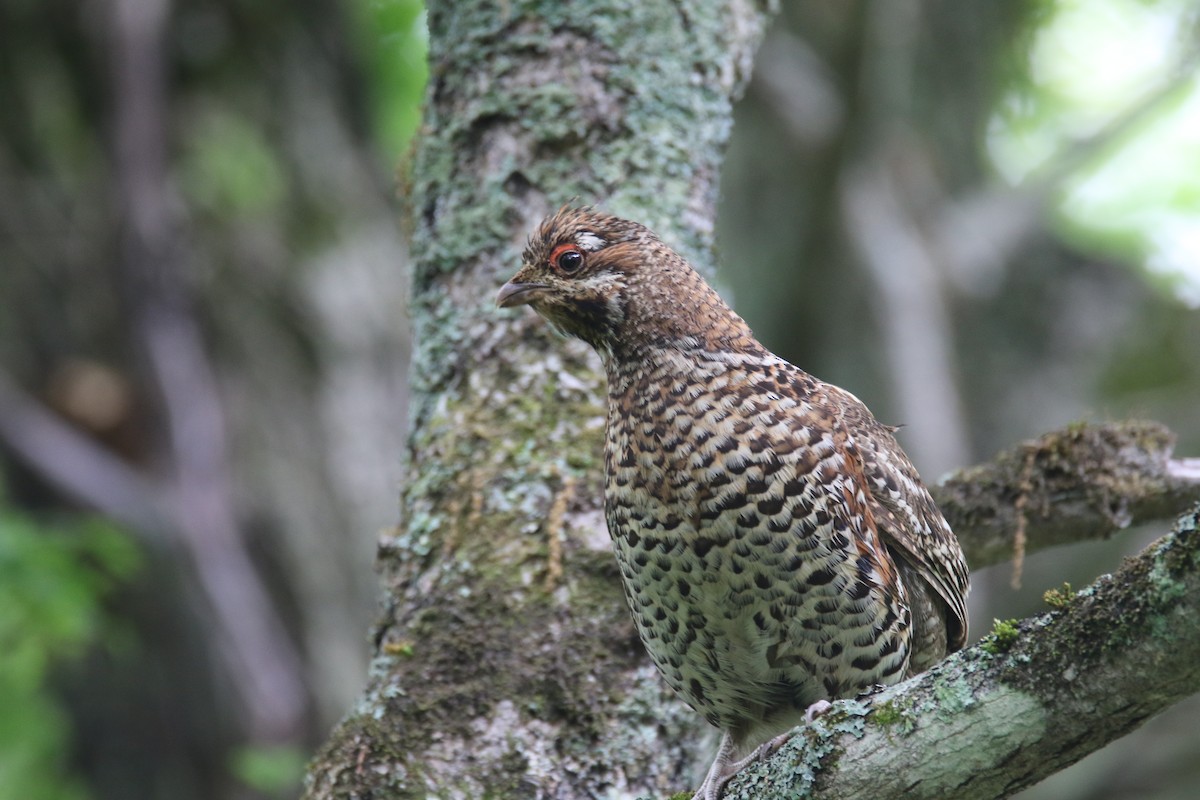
column 518, row 294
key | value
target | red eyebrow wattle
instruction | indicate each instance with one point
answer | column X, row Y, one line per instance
column 562, row 248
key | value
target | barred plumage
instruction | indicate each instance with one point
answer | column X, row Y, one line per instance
column 778, row 549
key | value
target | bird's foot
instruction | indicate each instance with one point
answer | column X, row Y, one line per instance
column 723, row 770
column 724, row 767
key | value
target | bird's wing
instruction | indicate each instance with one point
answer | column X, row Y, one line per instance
column 905, row 512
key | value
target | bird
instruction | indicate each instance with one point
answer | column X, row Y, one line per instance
column 777, row 548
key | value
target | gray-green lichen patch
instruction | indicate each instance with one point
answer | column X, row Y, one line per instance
column 953, row 696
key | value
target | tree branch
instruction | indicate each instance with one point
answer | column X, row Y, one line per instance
column 78, row 466
column 1081, row 483
column 1022, row 704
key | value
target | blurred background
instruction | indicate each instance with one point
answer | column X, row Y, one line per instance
column 982, row 218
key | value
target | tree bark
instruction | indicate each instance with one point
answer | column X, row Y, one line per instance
column 505, row 661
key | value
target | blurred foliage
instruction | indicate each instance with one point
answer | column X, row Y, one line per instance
column 273, row 771
column 54, row 579
column 1116, row 82
column 281, row 125
column 230, row 168
column 393, row 39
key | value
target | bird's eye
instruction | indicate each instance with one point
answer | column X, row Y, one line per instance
column 567, row 258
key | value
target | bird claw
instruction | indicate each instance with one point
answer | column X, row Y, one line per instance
column 816, row 709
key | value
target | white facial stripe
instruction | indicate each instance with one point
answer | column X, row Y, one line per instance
column 605, row 282
column 589, row 241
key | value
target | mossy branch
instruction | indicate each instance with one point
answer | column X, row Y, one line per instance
column 1013, row 709
column 1081, row 483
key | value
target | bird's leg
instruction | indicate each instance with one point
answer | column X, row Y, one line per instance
column 724, row 767
column 720, row 772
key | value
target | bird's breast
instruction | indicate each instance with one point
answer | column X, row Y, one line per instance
column 746, row 585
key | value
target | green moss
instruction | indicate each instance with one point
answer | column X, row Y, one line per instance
column 1003, row 636
column 888, row 714
column 1059, row 598
column 402, row 648
column 893, row 715
column 1139, row 604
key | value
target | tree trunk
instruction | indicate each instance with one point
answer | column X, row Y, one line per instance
column 506, row 663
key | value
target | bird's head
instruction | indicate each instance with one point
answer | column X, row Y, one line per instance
column 575, row 271
column 614, row 284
